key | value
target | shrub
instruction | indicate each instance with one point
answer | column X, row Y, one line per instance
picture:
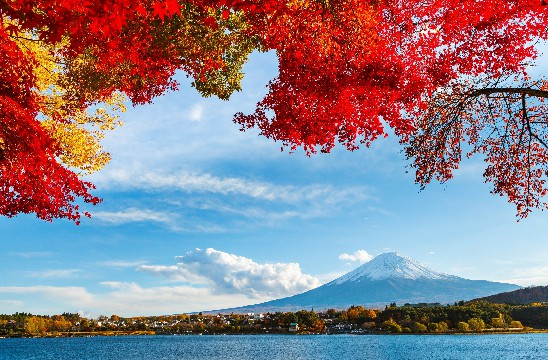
column 463, row 326
column 476, row 324
column 417, row 327
column 391, row 326
column 516, row 324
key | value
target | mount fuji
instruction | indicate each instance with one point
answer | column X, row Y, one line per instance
column 387, row 278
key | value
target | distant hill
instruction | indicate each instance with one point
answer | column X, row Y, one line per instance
column 386, row 279
column 519, row 297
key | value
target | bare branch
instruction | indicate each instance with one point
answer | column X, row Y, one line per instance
column 510, row 90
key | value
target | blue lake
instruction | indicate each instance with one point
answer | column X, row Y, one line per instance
column 268, row 347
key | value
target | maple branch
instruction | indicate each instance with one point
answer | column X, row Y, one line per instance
column 24, row 38
column 526, row 122
column 515, row 90
column 505, row 136
column 529, row 129
column 509, row 90
column 524, row 116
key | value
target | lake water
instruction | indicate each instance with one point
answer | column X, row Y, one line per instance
column 273, row 347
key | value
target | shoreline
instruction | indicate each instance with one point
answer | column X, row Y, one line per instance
column 153, row 333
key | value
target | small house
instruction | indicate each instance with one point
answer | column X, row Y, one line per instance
column 293, row 327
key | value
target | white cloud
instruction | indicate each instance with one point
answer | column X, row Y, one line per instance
column 171, row 220
column 231, row 274
column 361, row 256
column 196, row 182
column 55, row 273
column 70, row 294
column 122, row 263
column 177, row 273
column 9, row 306
column 267, row 216
column 192, row 196
column 32, row 254
column 536, row 276
column 11, row 302
column 132, row 298
column 125, row 299
column 196, row 112
column 132, row 215
column 325, row 278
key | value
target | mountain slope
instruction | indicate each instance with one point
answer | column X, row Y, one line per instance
column 387, row 278
column 519, row 297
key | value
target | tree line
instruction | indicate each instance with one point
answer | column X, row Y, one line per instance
column 460, row 317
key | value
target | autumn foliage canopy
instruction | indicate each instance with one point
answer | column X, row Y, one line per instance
column 448, row 76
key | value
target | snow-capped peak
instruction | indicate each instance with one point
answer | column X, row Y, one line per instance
column 391, row 265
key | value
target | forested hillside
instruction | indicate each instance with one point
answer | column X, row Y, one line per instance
column 536, row 294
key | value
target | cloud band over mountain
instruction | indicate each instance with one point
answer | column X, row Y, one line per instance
column 229, row 273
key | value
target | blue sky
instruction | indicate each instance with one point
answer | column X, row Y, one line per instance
column 198, row 215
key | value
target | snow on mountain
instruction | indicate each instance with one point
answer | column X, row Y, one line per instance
column 391, row 265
